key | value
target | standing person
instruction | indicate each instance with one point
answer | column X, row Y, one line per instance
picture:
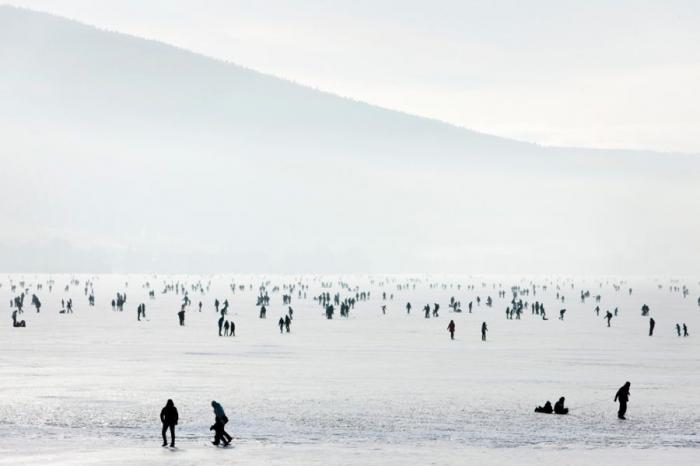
column 652, row 324
column 678, row 329
column 169, row 418
column 281, row 324
column 484, row 329
column 181, row 315
column 221, row 324
column 287, row 322
column 623, row 396
column 685, row 330
column 451, row 329
column 608, row 315
column 220, row 421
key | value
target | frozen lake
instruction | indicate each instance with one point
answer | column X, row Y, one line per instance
column 88, row 387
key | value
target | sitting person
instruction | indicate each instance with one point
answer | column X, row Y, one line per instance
column 547, row 408
column 17, row 323
column 559, row 407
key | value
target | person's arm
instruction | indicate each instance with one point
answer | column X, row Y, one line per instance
column 162, row 415
column 177, row 416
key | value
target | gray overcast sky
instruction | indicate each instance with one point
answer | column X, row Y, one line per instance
column 585, row 73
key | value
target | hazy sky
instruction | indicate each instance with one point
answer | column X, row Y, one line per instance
column 587, row 73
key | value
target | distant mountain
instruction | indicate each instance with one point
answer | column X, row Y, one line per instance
column 122, row 154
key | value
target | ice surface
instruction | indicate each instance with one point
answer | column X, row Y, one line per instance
column 87, row 388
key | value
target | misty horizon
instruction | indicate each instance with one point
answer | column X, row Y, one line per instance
column 175, row 162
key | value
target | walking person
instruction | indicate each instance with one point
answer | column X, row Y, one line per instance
column 451, row 329
column 169, row 418
column 220, row 421
column 623, row 396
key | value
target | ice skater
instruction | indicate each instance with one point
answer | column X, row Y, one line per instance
column 169, row 417
column 623, row 396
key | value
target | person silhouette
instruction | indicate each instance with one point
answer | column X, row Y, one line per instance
column 281, row 324
column 652, row 324
column 169, row 418
column 484, row 329
column 220, row 421
column 685, row 330
column 546, row 409
column 623, row 395
column 559, row 407
column 221, row 324
column 451, row 329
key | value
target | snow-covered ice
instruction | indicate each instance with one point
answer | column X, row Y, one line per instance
column 87, row 388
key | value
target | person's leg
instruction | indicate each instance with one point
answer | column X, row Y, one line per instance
column 622, row 410
column 217, row 433
column 172, row 435
column 165, row 440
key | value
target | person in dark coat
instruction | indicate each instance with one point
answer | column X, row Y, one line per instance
column 559, row 407
column 484, row 329
column 623, row 396
column 652, row 324
column 181, row 315
column 451, row 329
column 169, row 418
column 220, row 421
column 546, row 409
